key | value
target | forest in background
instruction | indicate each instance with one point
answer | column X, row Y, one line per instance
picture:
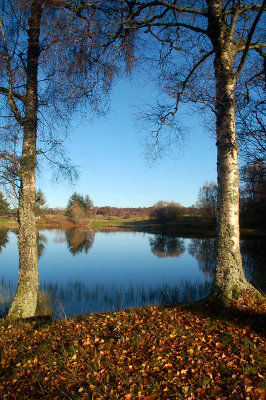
column 80, row 209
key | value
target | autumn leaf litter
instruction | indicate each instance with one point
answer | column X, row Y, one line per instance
column 145, row 353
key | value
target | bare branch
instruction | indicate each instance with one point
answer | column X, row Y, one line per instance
column 260, row 50
column 11, row 100
column 243, row 8
column 172, row 6
column 138, row 25
column 248, row 41
column 9, row 170
column 18, row 96
column 240, row 45
column 185, row 82
column 236, row 12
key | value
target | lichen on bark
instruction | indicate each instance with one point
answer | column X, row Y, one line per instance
column 25, row 301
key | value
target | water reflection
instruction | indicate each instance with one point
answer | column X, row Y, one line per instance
column 59, row 236
column 121, row 270
column 167, row 246
column 79, row 241
column 77, row 298
column 7, row 292
column 204, row 252
column 253, row 257
column 3, row 238
column 41, row 244
column 254, row 261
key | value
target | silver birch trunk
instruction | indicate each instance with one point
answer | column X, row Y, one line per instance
column 25, row 301
column 230, row 280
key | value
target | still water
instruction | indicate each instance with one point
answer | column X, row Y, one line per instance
column 82, row 271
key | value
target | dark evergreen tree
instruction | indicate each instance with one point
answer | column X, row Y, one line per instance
column 3, row 238
column 83, row 202
column 41, row 204
column 4, row 205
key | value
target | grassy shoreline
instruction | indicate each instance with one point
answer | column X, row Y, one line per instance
column 183, row 352
column 186, row 226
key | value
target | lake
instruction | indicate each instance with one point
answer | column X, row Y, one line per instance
column 84, row 271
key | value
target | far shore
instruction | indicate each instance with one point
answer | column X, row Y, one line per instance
column 183, row 225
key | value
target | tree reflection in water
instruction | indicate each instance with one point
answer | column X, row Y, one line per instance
column 6, row 289
column 253, row 256
column 204, row 252
column 79, row 241
column 167, row 246
column 75, row 297
column 41, row 243
column 254, row 261
column 3, row 238
column 60, row 236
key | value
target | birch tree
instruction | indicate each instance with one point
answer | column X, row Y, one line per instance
column 210, row 51
column 207, row 199
column 56, row 57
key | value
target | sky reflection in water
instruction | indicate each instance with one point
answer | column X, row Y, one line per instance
column 87, row 272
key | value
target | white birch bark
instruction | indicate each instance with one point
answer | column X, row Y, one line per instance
column 25, row 301
column 229, row 278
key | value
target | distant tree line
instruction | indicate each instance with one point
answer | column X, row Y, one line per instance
column 252, row 203
column 253, row 194
column 123, row 212
column 165, row 211
column 207, row 199
column 252, row 199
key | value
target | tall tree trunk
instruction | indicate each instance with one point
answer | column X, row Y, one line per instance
column 230, row 280
column 25, row 301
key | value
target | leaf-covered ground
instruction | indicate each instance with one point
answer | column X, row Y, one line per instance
column 147, row 353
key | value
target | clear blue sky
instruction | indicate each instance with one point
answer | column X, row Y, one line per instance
column 112, row 167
